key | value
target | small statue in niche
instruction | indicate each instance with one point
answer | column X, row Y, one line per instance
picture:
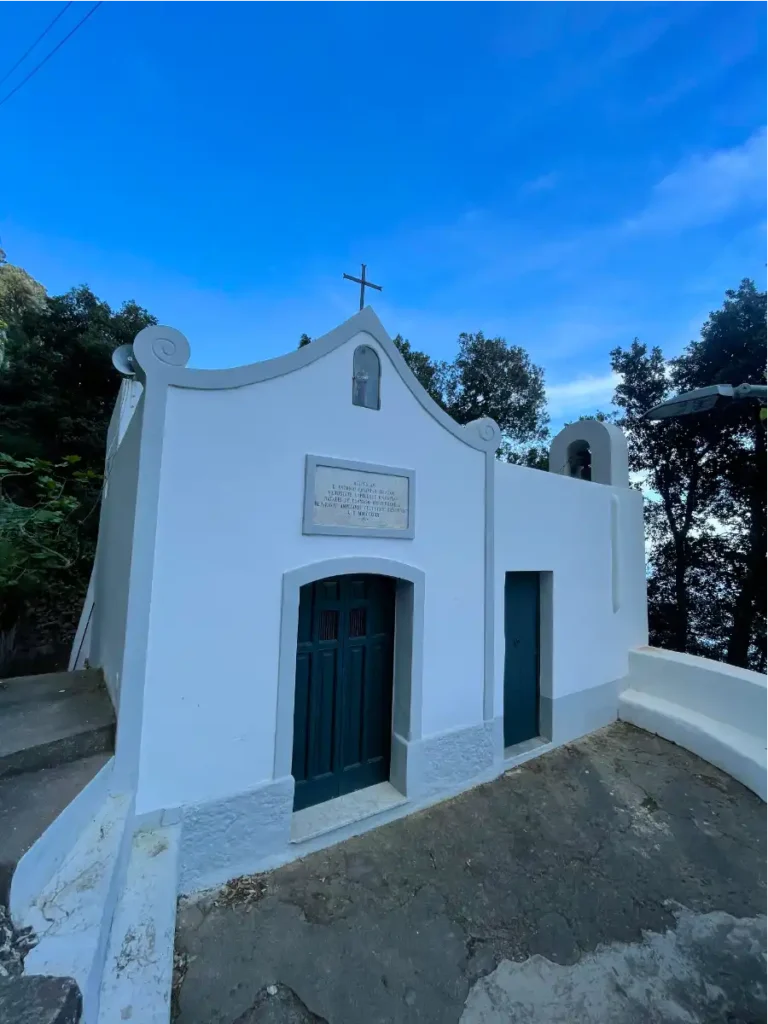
column 361, row 385
column 366, row 376
column 579, row 461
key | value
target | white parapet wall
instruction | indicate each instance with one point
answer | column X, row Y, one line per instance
column 715, row 710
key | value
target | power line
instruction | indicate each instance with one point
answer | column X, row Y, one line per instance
column 42, row 35
column 48, row 56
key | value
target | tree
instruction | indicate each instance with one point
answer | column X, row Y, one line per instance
column 44, row 557
column 488, row 377
column 681, row 465
column 426, row 371
column 18, row 293
column 57, row 392
column 673, row 455
column 58, row 385
column 705, row 477
column 731, row 350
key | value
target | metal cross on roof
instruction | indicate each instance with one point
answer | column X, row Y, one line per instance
column 363, row 282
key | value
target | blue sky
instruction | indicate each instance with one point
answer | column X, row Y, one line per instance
column 566, row 175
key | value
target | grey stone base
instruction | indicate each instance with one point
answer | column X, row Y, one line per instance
column 577, row 714
column 227, row 838
column 426, row 767
column 252, row 831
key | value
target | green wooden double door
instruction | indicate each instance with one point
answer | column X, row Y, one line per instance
column 343, row 704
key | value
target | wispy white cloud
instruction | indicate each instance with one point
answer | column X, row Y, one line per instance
column 544, row 183
column 587, row 42
column 580, row 396
column 483, row 248
column 483, row 270
column 705, row 189
column 726, row 54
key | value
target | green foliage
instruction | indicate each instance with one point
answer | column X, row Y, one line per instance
column 427, row 372
column 57, row 385
column 535, row 456
column 31, row 535
column 731, row 350
column 45, row 552
column 18, row 292
column 489, row 377
column 706, row 479
column 57, row 391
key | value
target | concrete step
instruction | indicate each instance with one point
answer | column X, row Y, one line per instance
column 29, row 803
column 72, row 916
column 53, row 719
column 56, row 741
column 138, row 972
column 734, row 751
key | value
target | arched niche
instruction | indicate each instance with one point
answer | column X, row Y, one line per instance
column 591, row 450
column 366, row 378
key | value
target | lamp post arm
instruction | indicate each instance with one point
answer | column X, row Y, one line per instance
column 755, row 391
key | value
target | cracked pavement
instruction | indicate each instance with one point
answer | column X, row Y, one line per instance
column 619, row 856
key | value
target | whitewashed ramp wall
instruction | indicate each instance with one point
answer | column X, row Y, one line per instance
column 718, row 711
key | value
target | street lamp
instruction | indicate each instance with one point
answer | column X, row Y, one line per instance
column 703, row 399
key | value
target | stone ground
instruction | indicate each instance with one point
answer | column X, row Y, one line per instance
column 619, row 879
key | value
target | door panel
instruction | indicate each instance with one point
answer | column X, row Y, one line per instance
column 343, row 702
column 322, row 714
column 301, row 716
column 378, row 686
column 521, row 657
column 353, row 681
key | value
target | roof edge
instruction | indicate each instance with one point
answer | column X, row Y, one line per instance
column 162, row 353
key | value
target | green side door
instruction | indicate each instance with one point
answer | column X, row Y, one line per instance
column 521, row 657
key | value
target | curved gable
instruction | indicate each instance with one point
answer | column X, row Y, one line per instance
column 162, row 353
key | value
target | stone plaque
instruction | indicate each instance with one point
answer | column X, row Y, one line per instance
column 354, row 498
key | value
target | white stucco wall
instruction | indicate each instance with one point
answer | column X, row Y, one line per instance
column 122, row 412
column 546, row 522
column 713, row 709
column 113, row 558
column 630, row 622
column 229, row 526
column 127, row 399
column 730, row 696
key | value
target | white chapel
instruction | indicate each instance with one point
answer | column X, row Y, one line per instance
column 319, row 603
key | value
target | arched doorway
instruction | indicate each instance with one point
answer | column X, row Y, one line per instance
column 342, row 720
